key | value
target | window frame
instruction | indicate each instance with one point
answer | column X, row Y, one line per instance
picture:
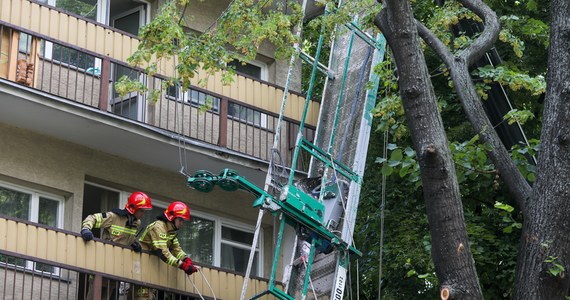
column 186, row 98
column 33, row 214
column 263, row 72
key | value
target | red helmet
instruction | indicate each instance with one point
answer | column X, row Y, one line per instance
column 177, row 210
column 138, row 200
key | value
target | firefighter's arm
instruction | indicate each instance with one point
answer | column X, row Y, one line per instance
column 177, row 250
column 160, row 244
column 92, row 221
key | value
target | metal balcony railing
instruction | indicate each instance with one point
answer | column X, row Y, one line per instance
column 241, row 117
column 42, row 262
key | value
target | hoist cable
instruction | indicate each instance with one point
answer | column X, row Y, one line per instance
column 382, row 204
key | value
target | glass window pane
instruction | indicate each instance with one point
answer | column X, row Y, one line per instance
column 12, row 260
column 197, row 239
column 236, row 259
column 75, row 58
column 47, row 214
column 150, row 216
column 246, row 68
column 235, row 235
column 25, row 43
column 85, row 8
column 14, row 203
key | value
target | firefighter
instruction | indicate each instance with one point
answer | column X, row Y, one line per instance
column 160, row 238
column 119, row 226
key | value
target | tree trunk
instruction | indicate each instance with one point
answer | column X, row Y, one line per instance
column 451, row 254
column 545, row 245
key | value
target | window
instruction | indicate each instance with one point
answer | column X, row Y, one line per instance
column 196, row 98
column 235, row 249
column 201, row 99
column 254, row 69
column 35, row 206
column 247, row 115
column 212, row 240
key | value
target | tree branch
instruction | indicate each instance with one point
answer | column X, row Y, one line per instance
column 459, row 70
column 489, row 35
column 435, row 43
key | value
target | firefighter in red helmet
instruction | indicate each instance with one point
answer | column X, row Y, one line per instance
column 160, row 237
column 119, row 226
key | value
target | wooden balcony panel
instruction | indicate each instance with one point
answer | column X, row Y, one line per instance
column 32, row 241
column 35, row 22
column 15, row 10
column 21, row 238
column 64, row 21
column 12, row 236
column 53, row 24
column 70, row 250
column 61, row 240
column 64, row 249
column 24, row 13
column 73, row 36
column 41, row 246
column 5, row 10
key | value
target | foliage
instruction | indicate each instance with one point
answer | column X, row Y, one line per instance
column 237, row 35
column 555, row 268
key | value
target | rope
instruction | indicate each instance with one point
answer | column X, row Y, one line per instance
column 207, row 282
column 385, row 155
column 357, row 281
column 195, row 287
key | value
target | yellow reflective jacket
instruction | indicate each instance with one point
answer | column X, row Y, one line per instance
column 117, row 226
column 160, row 238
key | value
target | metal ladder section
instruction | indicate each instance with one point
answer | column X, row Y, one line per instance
column 299, row 207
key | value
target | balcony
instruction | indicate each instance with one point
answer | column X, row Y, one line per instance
column 79, row 61
column 38, row 261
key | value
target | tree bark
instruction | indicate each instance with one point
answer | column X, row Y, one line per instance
column 451, row 254
column 546, row 230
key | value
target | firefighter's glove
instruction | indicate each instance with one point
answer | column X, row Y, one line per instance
column 187, row 266
column 86, row 234
column 136, row 246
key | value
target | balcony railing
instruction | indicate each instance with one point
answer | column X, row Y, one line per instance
column 41, row 47
column 40, row 262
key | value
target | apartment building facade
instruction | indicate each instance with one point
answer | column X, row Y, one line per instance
column 72, row 146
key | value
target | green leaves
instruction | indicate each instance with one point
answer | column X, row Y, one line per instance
column 520, row 116
column 514, row 80
column 236, row 35
column 554, row 267
column 401, row 161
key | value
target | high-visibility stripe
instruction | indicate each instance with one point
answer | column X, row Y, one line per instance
column 98, row 220
column 121, row 229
